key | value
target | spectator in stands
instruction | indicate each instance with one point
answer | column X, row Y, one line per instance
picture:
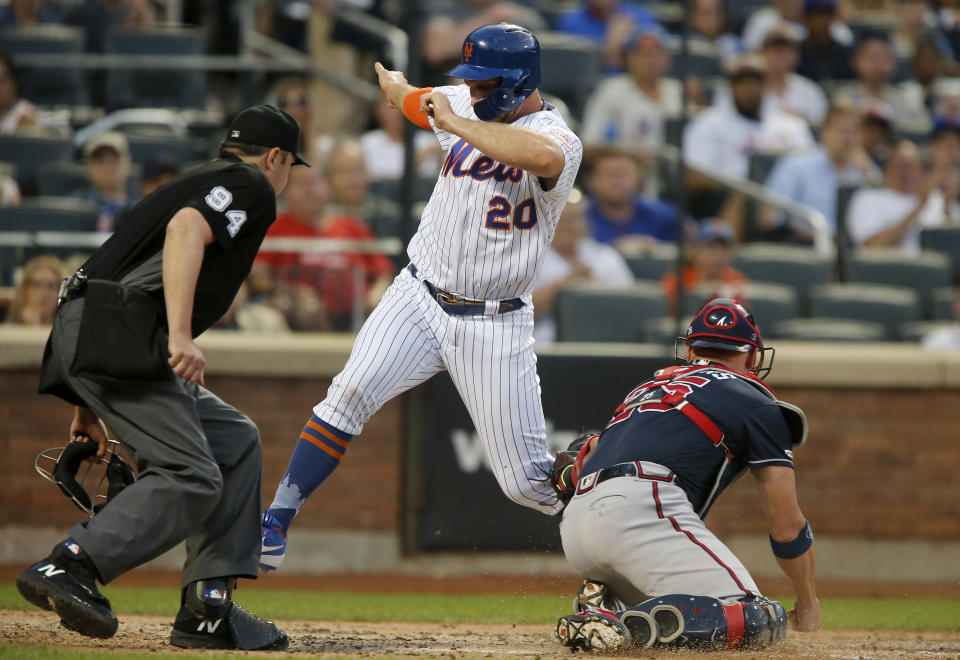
column 823, row 56
column 293, row 95
column 916, row 22
column 875, row 66
column 383, row 147
column 573, row 257
column 448, row 24
column 610, row 22
column 877, row 127
column 15, row 112
column 350, row 186
column 99, row 17
column 791, row 12
column 944, row 145
column 107, row 157
column 947, row 337
column 27, row 13
column 251, row 316
column 709, row 272
column 929, row 67
column 9, row 191
column 813, row 177
column 332, row 276
column 723, row 138
column 785, row 90
column 709, row 23
column 894, row 215
column 617, row 212
column 35, row 300
column 156, row 172
column 629, row 109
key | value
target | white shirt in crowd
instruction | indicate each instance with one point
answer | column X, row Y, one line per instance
column 384, row 157
column 765, row 19
column 620, row 113
column 605, row 263
column 873, row 210
column 802, row 97
column 721, row 139
column 947, row 338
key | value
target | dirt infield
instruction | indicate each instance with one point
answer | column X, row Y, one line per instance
column 146, row 635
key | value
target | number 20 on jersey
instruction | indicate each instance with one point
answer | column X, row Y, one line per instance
column 502, row 215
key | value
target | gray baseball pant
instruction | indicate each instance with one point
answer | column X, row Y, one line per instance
column 198, row 464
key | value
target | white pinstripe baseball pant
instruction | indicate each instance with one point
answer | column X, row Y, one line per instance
column 409, row 338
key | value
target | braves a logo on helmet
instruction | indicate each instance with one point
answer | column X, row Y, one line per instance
column 467, row 50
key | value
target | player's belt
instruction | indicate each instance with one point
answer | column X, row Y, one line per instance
column 639, row 469
column 454, row 304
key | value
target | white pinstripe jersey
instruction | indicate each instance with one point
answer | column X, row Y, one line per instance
column 484, row 233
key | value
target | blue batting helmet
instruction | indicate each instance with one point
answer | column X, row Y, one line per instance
column 503, row 51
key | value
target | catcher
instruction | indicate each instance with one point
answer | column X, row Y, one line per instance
column 638, row 494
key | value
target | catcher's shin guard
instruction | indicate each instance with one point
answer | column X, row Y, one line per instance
column 703, row 621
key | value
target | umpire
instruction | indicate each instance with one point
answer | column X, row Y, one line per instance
column 122, row 351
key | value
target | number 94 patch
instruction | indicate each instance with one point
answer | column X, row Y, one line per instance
column 219, row 199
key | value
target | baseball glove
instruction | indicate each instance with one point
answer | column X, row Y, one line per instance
column 566, row 467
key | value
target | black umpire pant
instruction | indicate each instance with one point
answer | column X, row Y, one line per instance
column 198, row 463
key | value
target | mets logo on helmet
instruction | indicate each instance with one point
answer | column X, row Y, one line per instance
column 467, row 50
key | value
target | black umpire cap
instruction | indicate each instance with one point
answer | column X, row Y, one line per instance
column 267, row 126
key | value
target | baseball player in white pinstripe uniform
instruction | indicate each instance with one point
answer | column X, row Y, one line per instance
column 464, row 302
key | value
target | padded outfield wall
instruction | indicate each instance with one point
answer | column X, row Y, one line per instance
column 879, row 477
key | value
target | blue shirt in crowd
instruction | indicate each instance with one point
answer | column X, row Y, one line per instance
column 651, row 217
column 582, row 23
column 810, row 178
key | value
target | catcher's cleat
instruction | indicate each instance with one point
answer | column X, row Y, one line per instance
column 273, row 546
column 595, row 630
column 63, row 583
column 237, row 629
column 594, row 596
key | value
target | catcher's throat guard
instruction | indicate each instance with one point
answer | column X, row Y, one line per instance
column 69, row 469
column 508, row 52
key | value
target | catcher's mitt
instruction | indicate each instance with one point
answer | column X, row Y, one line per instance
column 566, row 467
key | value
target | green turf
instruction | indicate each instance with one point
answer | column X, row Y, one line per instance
column 935, row 614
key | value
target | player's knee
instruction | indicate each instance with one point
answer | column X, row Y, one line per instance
column 703, row 621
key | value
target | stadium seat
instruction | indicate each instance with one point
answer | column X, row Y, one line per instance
column 61, row 179
column 571, row 66
column 662, row 330
column 180, row 151
column 890, row 306
column 829, row 330
column 163, row 88
column 651, row 263
column 28, row 153
column 946, row 240
column 42, row 214
column 922, row 272
column 769, row 302
column 944, row 303
column 48, row 85
column 592, row 312
column 917, row 330
column 800, row 267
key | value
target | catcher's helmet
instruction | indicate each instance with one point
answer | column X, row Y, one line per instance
column 502, row 51
column 725, row 323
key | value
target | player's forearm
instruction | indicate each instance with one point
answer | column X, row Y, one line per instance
column 513, row 146
column 397, row 91
column 183, row 250
column 800, row 571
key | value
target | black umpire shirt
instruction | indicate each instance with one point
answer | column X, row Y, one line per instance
column 237, row 201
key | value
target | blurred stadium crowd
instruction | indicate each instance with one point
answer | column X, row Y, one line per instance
column 848, row 108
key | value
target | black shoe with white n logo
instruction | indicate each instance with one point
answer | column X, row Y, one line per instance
column 65, row 583
column 209, row 619
column 237, row 629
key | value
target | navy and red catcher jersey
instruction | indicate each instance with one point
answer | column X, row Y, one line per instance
column 757, row 429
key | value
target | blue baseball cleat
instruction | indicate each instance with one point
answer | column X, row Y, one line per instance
column 273, row 546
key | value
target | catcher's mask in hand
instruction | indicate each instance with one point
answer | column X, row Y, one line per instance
column 64, row 467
